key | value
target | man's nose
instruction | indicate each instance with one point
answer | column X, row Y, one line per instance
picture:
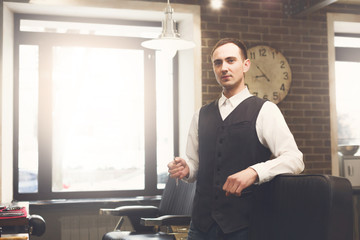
column 224, row 67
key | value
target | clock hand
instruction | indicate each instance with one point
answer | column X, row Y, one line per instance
column 259, row 76
column 263, row 73
column 264, row 76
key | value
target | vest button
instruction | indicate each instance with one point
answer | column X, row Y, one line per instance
column 221, row 140
column 219, row 154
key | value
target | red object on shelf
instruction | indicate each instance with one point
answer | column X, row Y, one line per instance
column 7, row 213
column 16, row 217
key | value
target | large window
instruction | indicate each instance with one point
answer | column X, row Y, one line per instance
column 94, row 111
column 344, row 63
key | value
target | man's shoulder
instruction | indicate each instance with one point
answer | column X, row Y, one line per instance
column 210, row 105
column 256, row 99
column 254, row 102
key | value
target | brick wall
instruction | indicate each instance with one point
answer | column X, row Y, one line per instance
column 303, row 41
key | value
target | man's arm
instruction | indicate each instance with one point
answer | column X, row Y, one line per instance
column 192, row 162
column 274, row 133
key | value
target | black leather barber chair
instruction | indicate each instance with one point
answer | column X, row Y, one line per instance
column 168, row 221
column 290, row 207
column 299, row 207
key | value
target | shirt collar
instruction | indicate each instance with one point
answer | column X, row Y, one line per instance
column 236, row 99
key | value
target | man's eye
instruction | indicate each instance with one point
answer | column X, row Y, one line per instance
column 231, row 61
column 217, row 63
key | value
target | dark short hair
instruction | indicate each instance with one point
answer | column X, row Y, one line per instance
column 237, row 42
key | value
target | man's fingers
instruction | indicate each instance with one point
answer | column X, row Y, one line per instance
column 237, row 182
column 175, row 168
column 229, row 185
column 179, row 162
column 232, row 186
column 178, row 168
column 225, row 185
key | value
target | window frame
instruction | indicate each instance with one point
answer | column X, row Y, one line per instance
column 45, row 41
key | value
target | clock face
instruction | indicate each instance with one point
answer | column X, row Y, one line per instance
column 269, row 76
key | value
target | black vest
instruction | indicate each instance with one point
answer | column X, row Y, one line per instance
column 226, row 147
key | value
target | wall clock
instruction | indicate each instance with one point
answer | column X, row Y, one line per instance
column 269, row 76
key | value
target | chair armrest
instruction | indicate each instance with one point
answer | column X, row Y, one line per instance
column 178, row 220
column 136, row 210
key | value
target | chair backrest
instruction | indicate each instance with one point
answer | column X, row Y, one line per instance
column 177, row 199
column 298, row 207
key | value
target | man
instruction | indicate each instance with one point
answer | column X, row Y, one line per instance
column 228, row 152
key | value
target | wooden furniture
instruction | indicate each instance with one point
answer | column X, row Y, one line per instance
column 15, row 237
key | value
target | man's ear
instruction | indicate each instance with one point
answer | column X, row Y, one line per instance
column 246, row 65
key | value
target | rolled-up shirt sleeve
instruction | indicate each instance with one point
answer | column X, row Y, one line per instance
column 192, row 148
column 274, row 133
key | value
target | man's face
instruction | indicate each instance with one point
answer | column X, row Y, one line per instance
column 229, row 68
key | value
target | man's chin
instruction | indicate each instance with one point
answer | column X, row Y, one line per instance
column 227, row 84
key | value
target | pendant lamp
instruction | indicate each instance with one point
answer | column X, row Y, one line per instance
column 169, row 40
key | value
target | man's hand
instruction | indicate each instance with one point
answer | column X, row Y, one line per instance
column 239, row 181
column 178, row 168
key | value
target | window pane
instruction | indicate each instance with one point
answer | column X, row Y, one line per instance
column 348, row 110
column 165, row 121
column 98, row 119
column 347, row 42
column 28, row 125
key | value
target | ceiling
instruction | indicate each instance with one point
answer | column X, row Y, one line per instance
column 306, row 7
column 291, row 8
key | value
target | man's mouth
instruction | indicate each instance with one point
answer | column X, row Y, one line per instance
column 225, row 77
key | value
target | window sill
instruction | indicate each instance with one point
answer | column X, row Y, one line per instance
column 92, row 203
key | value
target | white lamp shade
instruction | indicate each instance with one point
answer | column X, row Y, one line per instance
column 169, row 41
column 168, row 46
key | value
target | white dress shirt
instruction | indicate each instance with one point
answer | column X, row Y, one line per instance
column 272, row 132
